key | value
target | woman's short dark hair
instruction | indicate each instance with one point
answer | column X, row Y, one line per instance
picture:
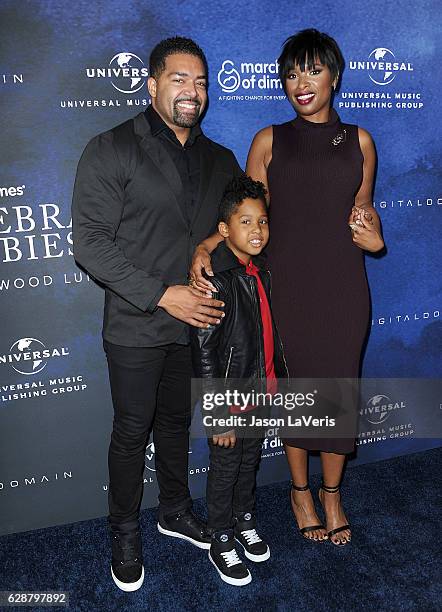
column 236, row 191
column 306, row 47
column 170, row 46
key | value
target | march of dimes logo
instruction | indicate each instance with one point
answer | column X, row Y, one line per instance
column 126, row 73
column 251, row 81
column 382, row 66
column 229, row 78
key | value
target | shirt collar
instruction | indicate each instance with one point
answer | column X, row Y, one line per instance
column 158, row 125
column 251, row 268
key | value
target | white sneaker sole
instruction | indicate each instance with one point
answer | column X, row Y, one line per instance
column 175, row 534
column 228, row 579
column 128, row 587
column 255, row 558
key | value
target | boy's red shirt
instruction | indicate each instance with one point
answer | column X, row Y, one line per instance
column 267, row 329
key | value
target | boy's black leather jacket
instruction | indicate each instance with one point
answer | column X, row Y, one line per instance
column 235, row 347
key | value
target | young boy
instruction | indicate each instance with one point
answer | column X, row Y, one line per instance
column 244, row 345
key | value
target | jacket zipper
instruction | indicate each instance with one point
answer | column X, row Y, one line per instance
column 228, row 361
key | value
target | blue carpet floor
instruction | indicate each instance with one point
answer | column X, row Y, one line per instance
column 393, row 562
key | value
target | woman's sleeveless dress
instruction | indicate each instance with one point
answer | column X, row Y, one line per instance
column 320, row 295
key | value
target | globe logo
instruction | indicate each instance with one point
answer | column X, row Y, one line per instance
column 379, row 75
column 376, row 411
column 149, row 462
column 128, row 70
column 228, row 77
column 25, row 349
column 149, row 457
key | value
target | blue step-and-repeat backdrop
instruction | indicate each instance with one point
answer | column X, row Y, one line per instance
column 58, row 89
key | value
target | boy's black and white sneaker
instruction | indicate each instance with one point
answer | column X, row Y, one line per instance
column 186, row 526
column 245, row 533
column 127, row 561
column 224, row 557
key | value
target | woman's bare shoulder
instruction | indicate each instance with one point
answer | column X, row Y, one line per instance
column 264, row 137
column 261, row 147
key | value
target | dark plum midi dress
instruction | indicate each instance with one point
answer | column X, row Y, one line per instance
column 320, row 296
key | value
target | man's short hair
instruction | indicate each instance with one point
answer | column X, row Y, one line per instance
column 170, row 46
column 239, row 188
column 306, row 47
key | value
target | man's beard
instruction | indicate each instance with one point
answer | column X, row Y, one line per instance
column 184, row 120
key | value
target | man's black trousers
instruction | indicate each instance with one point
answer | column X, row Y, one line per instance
column 150, row 391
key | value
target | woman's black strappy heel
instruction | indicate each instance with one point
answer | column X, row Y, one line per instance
column 338, row 529
column 308, row 528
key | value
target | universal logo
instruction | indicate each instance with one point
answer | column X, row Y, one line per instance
column 382, row 66
column 250, row 75
column 126, row 72
column 30, row 356
column 379, row 408
column 149, row 462
column 149, row 458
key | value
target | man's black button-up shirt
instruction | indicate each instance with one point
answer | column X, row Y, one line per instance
column 185, row 157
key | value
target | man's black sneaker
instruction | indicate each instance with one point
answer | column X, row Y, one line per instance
column 224, row 557
column 186, row 526
column 245, row 533
column 127, row 561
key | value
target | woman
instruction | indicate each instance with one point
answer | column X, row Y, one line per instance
column 319, row 174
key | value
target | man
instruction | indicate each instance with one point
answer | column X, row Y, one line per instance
column 146, row 193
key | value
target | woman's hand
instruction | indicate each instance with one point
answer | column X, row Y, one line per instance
column 365, row 235
column 200, row 262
